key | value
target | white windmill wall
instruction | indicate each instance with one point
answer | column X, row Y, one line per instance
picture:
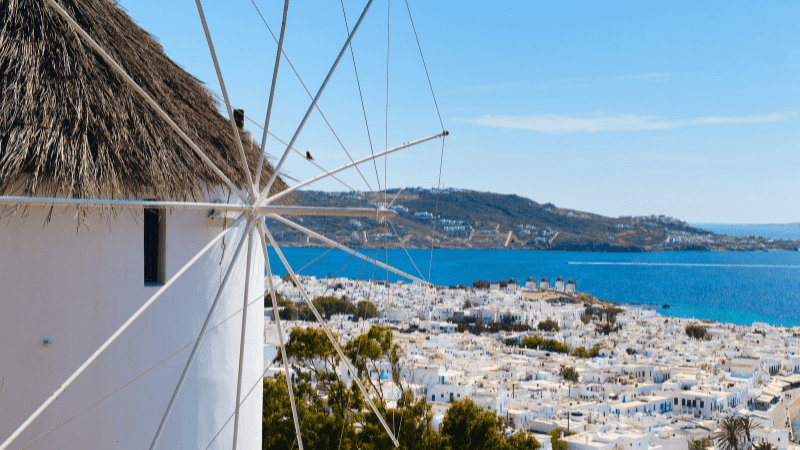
column 74, row 287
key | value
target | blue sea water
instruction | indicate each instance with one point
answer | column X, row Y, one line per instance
column 775, row 231
column 735, row 287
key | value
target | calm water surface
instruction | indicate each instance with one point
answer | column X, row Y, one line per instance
column 735, row 287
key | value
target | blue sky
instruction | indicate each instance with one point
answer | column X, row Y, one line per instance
column 690, row 109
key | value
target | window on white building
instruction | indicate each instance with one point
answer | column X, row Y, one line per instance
column 155, row 245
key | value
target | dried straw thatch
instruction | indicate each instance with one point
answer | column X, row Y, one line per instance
column 70, row 126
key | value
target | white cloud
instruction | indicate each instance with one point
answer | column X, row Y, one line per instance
column 714, row 120
column 555, row 123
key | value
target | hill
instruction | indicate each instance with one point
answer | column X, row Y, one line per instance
column 480, row 220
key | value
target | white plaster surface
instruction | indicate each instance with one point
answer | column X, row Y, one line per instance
column 73, row 287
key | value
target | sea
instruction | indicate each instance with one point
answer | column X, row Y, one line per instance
column 731, row 287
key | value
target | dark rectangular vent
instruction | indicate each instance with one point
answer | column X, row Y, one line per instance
column 154, row 246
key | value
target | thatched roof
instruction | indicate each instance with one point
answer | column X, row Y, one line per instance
column 70, row 126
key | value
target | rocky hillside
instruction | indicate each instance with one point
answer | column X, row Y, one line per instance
column 470, row 219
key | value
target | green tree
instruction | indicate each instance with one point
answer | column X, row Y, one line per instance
column 763, row 445
column 288, row 312
column 318, row 428
column 468, row 427
column 310, row 350
column 412, row 426
column 746, row 425
column 569, row 374
column 728, row 434
column 696, row 332
column 366, row 310
column 607, row 328
column 330, row 306
column 548, row 345
column 288, row 279
column 580, row 352
column 556, row 441
column 268, row 300
column 701, row 444
column 548, row 325
column 522, row 441
column 330, row 424
column 368, row 351
column 585, row 319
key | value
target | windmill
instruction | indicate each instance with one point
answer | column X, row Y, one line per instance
column 90, row 106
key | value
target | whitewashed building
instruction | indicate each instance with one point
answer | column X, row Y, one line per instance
column 69, row 279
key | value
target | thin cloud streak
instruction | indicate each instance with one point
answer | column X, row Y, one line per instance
column 555, row 123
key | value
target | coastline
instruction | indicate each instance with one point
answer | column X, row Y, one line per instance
column 732, row 287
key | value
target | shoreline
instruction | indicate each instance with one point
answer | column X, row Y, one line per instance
column 739, row 288
column 585, row 249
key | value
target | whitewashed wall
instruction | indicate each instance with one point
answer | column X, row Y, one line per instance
column 75, row 286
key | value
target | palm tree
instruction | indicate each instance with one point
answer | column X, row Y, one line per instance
column 734, row 432
column 746, row 425
column 728, row 434
column 764, row 446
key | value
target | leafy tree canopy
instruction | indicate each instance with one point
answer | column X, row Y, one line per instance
column 331, row 423
column 696, row 332
column 366, row 310
column 549, row 345
column 581, row 352
column 569, row 374
column 468, row 427
column 548, row 325
column 556, row 441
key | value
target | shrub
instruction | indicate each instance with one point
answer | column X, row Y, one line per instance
column 696, row 331
column 549, row 345
column 548, row 325
column 556, row 441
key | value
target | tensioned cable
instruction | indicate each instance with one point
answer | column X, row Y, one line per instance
column 441, row 159
column 361, row 96
column 143, row 373
column 436, row 211
column 261, row 379
column 314, row 260
column 358, row 351
column 386, row 251
column 404, row 248
column 312, row 162
column 258, row 381
column 388, row 289
column 424, row 65
column 316, row 105
column 369, row 295
column 386, row 131
column 410, row 176
column 302, row 421
column 352, row 255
